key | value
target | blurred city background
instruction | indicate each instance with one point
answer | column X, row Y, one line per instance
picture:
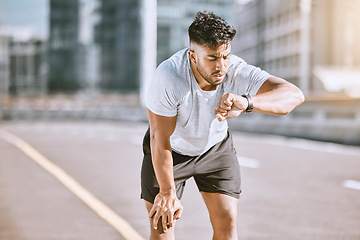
column 92, row 59
column 72, row 78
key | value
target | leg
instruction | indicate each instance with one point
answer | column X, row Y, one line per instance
column 159, row 234
column 223, row 215
column 150, row 187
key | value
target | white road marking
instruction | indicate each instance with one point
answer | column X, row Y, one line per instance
column 124, row 228
column 351, row 184
column 248, row 162
column 304, row 144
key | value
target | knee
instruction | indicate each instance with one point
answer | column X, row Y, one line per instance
column 227, row 222
column 227, row 215
column 226, row 231
column 159, row 234
column 225, row 226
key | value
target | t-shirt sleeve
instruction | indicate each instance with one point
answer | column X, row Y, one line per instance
column 249, row 78
column 162, row 94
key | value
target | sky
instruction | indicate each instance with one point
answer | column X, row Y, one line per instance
column 25, row 14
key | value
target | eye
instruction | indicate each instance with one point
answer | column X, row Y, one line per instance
column 212, row 58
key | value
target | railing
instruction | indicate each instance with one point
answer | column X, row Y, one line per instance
column 72, row 107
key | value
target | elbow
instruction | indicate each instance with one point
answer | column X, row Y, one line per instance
column 282, row 111
column 297, row 100
column 158, row 141
column 300, row 97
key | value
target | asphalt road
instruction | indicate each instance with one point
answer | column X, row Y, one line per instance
column 292, row 188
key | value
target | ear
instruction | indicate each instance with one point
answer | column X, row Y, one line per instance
column 192, row 55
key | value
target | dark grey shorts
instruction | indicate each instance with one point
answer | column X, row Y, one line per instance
column 215, row 171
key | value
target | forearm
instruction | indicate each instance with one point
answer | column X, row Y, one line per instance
column 166, row 204
column 279, row 101
column 163, row 166
column 167, row 207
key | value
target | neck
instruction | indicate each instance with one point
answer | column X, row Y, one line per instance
column 203, row 84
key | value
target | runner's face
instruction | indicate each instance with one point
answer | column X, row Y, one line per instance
column 210, row 64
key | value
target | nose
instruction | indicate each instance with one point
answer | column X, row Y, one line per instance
column 221, row 64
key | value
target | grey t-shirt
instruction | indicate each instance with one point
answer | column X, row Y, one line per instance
column 175, row 91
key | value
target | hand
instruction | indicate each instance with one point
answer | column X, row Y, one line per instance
column 229, row 106
column 168, row 207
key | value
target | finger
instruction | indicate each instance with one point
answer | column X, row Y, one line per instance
column 156, row 219
column 220, row 117
column 221, row 100
column 170, row 219
column 165, row 222
column 178, row 213
column 220, row 111
column 225, row 104
column 152, row 211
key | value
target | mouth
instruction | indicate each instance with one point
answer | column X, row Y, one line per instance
column 219, row 76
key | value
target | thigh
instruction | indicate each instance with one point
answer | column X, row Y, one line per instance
column 220, row 204
column 222, row 210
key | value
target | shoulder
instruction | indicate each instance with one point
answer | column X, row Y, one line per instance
column 168, row 86
column 236, row 65
column 244, row 77
column 239, row 67
column 234, row 59
column 174, row 70
column 174, row 65
column 178, row 63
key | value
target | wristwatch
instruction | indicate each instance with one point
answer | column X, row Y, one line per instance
column 250, row 102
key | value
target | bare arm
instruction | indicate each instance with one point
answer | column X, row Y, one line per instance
column 166, row 203
column 276, row 96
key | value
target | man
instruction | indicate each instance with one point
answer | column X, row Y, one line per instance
column 192, row 95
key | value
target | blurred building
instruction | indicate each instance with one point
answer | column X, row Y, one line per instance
column 27, row 67
column 63, row 54
column 118, row 35
column 99, row 44
column 174, row 18
column 303, row 41
column 89, row 50
column 23, row 70
column 4, row 63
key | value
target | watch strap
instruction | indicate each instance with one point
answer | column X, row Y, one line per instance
column 250, row 102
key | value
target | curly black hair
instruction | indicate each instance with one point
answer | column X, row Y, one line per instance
column 210, row 30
